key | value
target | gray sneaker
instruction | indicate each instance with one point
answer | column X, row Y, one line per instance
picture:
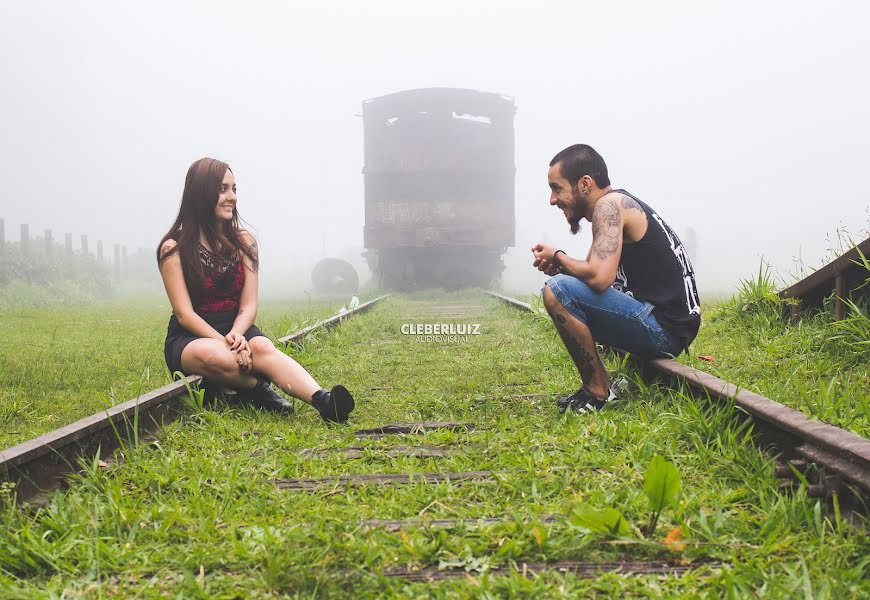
column 583, row 401
column 617, row 388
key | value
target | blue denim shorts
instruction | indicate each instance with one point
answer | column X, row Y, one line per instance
column 615, row 318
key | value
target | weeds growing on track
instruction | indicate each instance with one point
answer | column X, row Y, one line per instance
column 817, row 365
column 196, row 514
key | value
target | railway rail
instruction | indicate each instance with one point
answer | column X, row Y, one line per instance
column 844, row 456
column 43, row 463
column 835, row 461
column 296, row 337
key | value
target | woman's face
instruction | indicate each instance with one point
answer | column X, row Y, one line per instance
column 226, row 202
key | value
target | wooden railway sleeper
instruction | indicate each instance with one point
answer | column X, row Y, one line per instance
column 857, row 473
column 826, row 487
column 786, row 470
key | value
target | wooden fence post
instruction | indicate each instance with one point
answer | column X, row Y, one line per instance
column 25, row 239
column 117, row 263
column 2, row 252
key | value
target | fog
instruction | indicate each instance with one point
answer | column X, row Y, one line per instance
column 746, row 121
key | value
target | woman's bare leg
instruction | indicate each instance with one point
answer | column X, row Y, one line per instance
column 215, row 362
column 282, row 370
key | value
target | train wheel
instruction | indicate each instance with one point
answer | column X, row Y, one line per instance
column 334, row 276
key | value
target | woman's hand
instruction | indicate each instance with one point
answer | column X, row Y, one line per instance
column 237, row 342
column 244, row 360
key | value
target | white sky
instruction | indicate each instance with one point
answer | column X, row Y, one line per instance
column 746, row 120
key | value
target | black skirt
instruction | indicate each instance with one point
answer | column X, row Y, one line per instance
column 177, row 337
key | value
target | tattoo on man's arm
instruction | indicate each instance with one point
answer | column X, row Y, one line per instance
column 605, row 229
column 629, row 202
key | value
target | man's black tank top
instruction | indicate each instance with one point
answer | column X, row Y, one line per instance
column 656, row 269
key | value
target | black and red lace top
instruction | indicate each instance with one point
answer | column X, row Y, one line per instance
column 221, row 286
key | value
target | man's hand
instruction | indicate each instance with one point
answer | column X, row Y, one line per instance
column 544, row 259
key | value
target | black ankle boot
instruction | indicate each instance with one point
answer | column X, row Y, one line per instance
column 265, row 398
column 334, row 405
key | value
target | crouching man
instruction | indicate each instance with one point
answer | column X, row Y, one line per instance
column 635, row 290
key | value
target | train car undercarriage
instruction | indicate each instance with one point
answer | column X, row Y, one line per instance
column 449, row 267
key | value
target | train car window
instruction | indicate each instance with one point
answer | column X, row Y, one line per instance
column 475, row 118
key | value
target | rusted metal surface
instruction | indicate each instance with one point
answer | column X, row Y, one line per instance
column 331, row 321
column 414, row 428
column 399, row 524
column 840, row 294
column 578, row 568
column 439, row 186
column 43, row 463
column 849, row 470
column 315, row 483
column 352, row 452
column 842, row 452
column 841, row 276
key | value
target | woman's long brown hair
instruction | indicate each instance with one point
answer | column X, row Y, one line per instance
column 202, row 186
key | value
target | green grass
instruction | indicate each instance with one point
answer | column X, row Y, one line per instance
column 60, row 364
column 816, row 364
column 196, row 515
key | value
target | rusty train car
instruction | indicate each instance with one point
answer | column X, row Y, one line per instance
column 439, row 187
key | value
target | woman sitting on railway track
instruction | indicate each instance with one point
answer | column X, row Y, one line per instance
column 209, row 266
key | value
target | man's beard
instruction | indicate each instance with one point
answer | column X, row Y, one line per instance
column 575, row 225
column 580, row 199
